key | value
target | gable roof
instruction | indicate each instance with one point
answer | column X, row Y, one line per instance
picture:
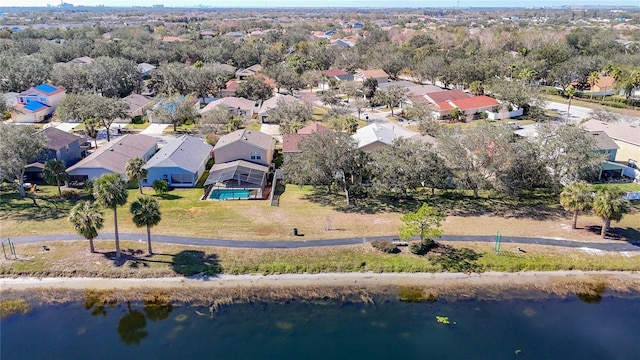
column 334, row 72
column 251, row 70
column 232, row 103
column 290, row 142
column 137, row 101
column 446, row 95
column 314, row 127
column 622, row 131
column 256, row 138
column 605, row 81
column 475, row 102
column 374, row 73
column 374, row 133
column 603, row 141
column 145, row 67
column 186, row 152
column 272, row 102
column 58, row 139
column 114, row 155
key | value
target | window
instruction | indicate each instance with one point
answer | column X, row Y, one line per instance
column 255, row 155
column 67, row 148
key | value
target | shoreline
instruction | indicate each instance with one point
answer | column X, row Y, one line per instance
column 486, row 279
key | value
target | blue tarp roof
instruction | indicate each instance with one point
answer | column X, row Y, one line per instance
column 46, row 88
column 35, row 106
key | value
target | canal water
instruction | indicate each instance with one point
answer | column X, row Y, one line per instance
column 607, row 328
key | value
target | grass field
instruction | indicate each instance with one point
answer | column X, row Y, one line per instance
column 318, row 216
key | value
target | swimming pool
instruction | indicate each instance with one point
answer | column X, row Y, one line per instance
column 229, row 194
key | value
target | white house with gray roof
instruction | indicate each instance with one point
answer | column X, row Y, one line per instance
column 180, row 162
column 374, row 136
column 112, row 157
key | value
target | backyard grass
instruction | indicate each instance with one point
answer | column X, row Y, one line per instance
column 318, row 216
column 72, row 258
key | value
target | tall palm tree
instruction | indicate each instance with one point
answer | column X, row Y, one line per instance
column 576, row 197
column 54, row 172
column 110, row 191
column 135, row 170
column 146, row 212
column 609, row 205
column 87, row 219
column 571, row 92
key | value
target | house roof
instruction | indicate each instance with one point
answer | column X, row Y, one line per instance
column 374, row 73
column 114, row 155
column 58, row 139
column 44, row 89
column 232, row 85
column 374, row 133
column 137, row 101
column 185, row 152
column 239, row 170
column 475, row 102
column 334, row 72
column 603, row 141
column 231, row 103
column 290, row 142
column 251, row 70
column 256, row 138
column 145, row 67
column 272, row 102
column 315, row 127
column 445, row 105
column 403, row 83
column 442, row 96
column 622, row 131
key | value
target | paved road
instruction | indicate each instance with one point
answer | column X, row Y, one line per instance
column 182, row 240
column 576, row 113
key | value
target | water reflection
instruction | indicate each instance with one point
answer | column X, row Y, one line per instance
column 131, row 326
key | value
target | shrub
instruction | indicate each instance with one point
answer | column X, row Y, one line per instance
column 614, row 104
column 385, row 246
column 70, row 194
column 420, row 247
column 160, row 187
column 212, row 139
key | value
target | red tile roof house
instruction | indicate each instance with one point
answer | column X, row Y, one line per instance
column 37, row 103
column 469, row 106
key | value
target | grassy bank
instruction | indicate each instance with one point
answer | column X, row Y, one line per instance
column 318, row 216
column 72, row 258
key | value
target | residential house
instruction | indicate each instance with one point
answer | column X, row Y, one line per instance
column 626, row 136
column 252, row 70
column 603, row 86
column 343, row 43
column 272, row 103
column 145, row 69
column 112, row 157
column 249, row 145
column 446, row 95
column 605, row 145
column 239, row 106
column 338, row 74
column 235, row 34
column 476, row 104
column 380, row 75
column 37, row 103
column 229, row 90
column 60, row 145
column 236, row 180
column 374, row 136
column 138, row 104
column 180, row 162
column 290, row 142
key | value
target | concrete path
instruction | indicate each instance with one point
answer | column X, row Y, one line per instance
column 302, row 243
column 576, row 113
column 154, row 129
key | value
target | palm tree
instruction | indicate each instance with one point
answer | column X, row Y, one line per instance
column 146, row 212
column 571, row 92
column 609, row 205
column 576, row 197
column 135, row 170
column 54, row 172
column 87, row 219
column 91, row 129
column 110, row 191
column 476, row 87
column 592, row 80
column 512, row 68
column 456, row 114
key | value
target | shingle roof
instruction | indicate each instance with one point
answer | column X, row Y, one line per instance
column 186, row 152
column 374, row 133
column 272, row 103
column 230, row 103
column 603, row 141
column 375, row 73
column 137, row 101
column 334, row 72
column 114, row 155
column 58, row 139
column 618, row 131
column 290, row 142
column 315, row 127
column 256, row 138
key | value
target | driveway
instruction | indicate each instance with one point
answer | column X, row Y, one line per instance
column 576, row 113
column 154, row 129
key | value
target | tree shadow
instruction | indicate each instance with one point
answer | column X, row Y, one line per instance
column 38, row 207
column 134, row 258
column 169, row 196
column 628, row 234
column 192, row 262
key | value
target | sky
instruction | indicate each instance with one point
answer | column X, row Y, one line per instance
column 325, row 3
